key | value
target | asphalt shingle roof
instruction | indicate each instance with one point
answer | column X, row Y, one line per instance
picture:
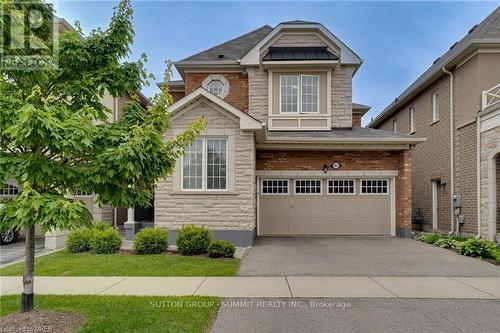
column 489, row 28
column 234, row 49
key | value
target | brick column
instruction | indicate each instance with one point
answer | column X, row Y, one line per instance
column 403, row 195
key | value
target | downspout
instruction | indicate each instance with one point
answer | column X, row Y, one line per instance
column 478, row 174
column 452, row 183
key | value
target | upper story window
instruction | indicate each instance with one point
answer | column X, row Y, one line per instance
column 299, row 94
column 216, row 87
column 435, row 107
column 395, row 125
column 204, row 165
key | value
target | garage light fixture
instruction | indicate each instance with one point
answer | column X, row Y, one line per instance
column 325, row 168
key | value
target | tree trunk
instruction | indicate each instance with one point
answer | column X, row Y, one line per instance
column 29, row 266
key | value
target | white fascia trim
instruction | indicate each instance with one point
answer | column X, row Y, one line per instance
column 246, row 122
column 347, row 56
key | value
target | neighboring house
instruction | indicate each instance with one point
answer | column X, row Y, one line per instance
column 284, row 153
column 466, row 80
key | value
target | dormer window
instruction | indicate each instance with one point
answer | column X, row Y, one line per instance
column 299, row 93
column 216, row 87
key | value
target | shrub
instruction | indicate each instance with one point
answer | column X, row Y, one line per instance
column 446, row 243
column 221, row 248
column 151, row 241
column 477, row 248
column 429, row 238
column 101, row 225
column 79, row 240
column 192, row 240
column 106, row 241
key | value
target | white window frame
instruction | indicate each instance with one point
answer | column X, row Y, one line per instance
column 213, row 82
column 204, row 167
column 82, row 193
column 307, row 179
column 9, row 188
column 412, row 119
column 340, row 179
column 435, row 107
column 373, row 179
column 272, row 179
column 299, row 94
column 395, row 125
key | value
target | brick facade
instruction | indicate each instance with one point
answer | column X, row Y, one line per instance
column 238, row 87
column 356, row 119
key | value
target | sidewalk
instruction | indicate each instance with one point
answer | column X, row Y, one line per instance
column 291, row 286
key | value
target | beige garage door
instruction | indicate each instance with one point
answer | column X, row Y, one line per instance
column 324, row 206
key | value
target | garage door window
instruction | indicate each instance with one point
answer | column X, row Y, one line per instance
column 374, row 186
column 308, row 186
column 274, row 186
column 341, row 186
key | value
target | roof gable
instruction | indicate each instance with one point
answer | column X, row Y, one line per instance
column 347, row 56
column 246, row 122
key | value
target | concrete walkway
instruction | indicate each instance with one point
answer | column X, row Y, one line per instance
column 277, row 287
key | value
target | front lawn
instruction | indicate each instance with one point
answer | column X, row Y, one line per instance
column 128, row 313
column 63, row 263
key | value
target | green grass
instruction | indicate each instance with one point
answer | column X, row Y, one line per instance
column 63, row 263
column 497, row 254
column 128, row 313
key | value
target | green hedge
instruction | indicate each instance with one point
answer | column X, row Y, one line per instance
column 79, row 240
column 151, row 241
column 106, row 241
column 221, row 248
column 193, row 240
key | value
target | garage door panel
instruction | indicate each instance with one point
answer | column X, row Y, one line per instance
column 325, row 214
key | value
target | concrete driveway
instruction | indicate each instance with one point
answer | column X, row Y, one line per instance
column 15, row 251
column 332, row 256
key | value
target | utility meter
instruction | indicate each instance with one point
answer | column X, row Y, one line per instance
column 457, row 200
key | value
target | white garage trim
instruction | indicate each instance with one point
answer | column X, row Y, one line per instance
column 329, row 174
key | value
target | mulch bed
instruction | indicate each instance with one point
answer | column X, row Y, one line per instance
column 41, row 321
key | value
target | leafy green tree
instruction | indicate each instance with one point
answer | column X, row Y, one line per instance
column 55, row 136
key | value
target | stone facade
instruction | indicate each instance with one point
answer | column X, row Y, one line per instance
column 230, row 210
column 298, row 40
column 490, row 182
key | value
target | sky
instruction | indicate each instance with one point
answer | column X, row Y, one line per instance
column 398, row 41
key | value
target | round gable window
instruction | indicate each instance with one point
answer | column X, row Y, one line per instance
column 216, row 87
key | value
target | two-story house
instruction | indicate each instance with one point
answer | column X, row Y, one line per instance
column 455, row 105
column 284, row 152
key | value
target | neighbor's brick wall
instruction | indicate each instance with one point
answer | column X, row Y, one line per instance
column 350, row 160
column 238, row 87
column 430, row 159
column 177, row 95
column 234, row 210
column 356, row 119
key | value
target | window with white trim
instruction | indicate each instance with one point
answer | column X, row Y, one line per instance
column 8, row 189
column 299, row 93
column 274, row 186
column 435, row 107
column 341, row 186
column 307, row 186
column 412, row 120
column 204, row 165
column 81, row 193
column 374, row 186
column 395, row 125
column 216, row 87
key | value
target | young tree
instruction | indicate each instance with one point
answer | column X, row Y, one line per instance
column 55, row 136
